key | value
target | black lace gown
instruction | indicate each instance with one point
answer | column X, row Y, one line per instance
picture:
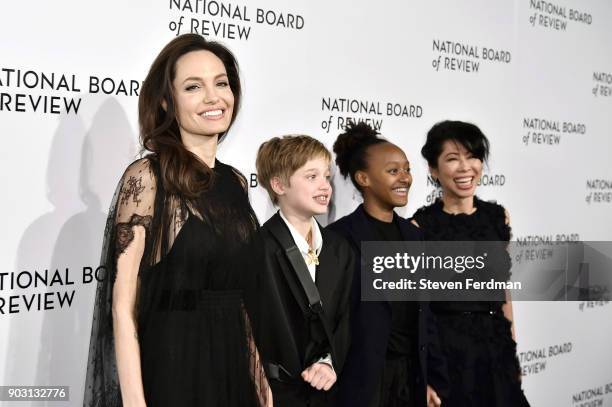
column 475, row 337
column 196, row 347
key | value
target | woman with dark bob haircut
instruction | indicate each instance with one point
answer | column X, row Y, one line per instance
column 477, row 338
column 169, row 326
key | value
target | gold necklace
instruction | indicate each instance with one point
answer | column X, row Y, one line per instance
column 312, row 255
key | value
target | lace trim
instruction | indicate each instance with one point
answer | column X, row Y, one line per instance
column 262, row 387
column 125, row 233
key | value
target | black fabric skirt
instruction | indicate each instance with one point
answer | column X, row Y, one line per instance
column 484, row 370
column 194, row 352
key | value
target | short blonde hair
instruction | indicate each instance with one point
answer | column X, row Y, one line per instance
column 283, row 156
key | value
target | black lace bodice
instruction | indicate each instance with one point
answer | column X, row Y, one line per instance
column 488, row 223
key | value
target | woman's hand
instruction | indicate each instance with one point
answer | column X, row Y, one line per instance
column 432, row 398
column 269, row 402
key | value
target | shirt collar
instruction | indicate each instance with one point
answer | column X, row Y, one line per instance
column 302, row 244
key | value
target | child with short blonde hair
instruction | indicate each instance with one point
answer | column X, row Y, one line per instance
column 306, row 278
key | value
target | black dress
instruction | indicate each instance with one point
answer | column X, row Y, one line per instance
column 196, row 347
column 475, row 337
column 397, row 386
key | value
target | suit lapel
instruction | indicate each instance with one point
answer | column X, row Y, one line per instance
column 326, row 272
column 297, row 291
column 362, row 230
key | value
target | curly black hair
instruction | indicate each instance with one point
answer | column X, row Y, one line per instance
column 351, row 148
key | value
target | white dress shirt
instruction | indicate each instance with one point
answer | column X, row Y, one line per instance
column 302, row 244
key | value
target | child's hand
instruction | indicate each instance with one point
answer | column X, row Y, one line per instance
column 320, row 376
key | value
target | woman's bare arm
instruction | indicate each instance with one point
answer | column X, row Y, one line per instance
column 125, row 330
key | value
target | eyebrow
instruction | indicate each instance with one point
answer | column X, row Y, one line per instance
column 309, row 170
column 398, row 162
column 197, row 78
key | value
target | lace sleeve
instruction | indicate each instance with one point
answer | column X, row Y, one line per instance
column 133, row 204
column 264, row 392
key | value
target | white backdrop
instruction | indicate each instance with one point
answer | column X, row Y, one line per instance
column 545, row 102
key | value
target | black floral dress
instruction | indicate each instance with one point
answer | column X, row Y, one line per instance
column 475, row 337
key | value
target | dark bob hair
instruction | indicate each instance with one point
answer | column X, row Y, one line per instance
column 466, row 134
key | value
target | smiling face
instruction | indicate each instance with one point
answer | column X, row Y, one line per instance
column 203, row 97
column 387, row 179
column 308, row 191
column 458, row 171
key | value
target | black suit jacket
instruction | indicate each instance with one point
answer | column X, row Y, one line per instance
column 371, row 326
column 283, row 332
